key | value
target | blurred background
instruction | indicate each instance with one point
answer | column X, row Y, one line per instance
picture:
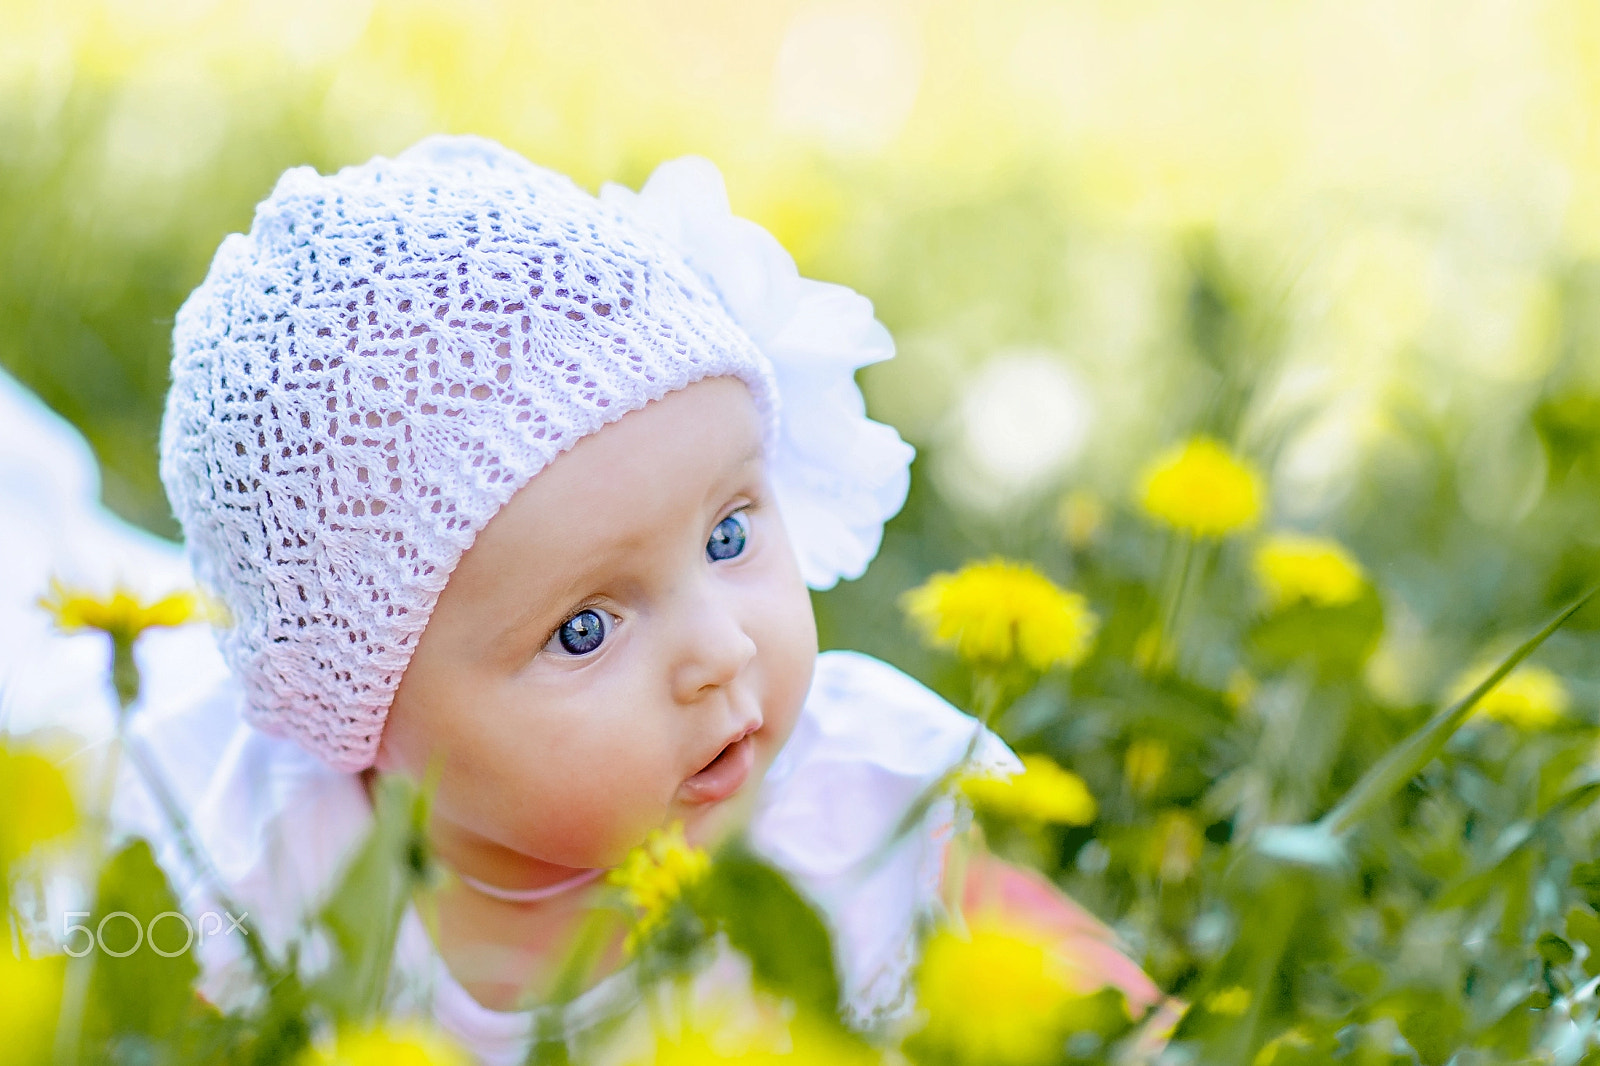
column 1359, row 240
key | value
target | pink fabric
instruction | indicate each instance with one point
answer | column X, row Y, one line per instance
column 1026, row 896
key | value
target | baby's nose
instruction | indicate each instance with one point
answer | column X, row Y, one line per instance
column 713, row 650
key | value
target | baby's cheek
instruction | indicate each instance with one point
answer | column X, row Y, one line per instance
column 597, row 821
column 791, row 654
column 579, row 777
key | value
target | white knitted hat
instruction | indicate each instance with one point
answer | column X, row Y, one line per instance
column 389, row 354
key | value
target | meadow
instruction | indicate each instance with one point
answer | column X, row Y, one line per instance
column 1252, row 357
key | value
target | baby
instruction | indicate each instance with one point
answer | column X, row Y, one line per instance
column 489, row 470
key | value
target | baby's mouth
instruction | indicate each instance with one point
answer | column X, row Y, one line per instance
column 723, row 775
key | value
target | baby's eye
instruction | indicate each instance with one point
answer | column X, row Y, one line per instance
column 583, row 632
column 727, row 540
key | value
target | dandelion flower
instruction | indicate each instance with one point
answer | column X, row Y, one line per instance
column 1081, row 515
column 30, row 1001
column 1294, row 568
column 1530, row 697
column 1293, row 1039
column 1241, row 689
column 1202, row 488
column 37, row 802
column 1230, row 1002
column 655, row 875
column 753, row 1033
column 1176, row 843
column 1042, row 792
column 997, row 611
column 999, row 995
column 1145, row 764
column 121, row 614
column 400, row 1044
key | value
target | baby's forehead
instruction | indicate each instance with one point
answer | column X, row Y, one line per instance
column 677, row 458
column 622, row 507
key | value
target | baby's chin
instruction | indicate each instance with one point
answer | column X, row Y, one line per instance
column 712, row 826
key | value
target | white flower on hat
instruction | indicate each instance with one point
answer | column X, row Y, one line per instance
column 839, row 475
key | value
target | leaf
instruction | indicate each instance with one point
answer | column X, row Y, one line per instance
column 1283, row 898
column 1336, row 639
column 1584, row 927
column 1586, row 879
column 1512, row 1033
column 1432, row 1023
column 363, row 913
column 1104, row 1013
column 1469, row 888
column 1303, row 845
column 1554, row 950
column 788, row 945
column 144, row 970
column 1406, row 759
column 1094, row 1024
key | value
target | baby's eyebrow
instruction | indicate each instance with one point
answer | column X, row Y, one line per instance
column 540, row 613
column 733, row 471
column 756, row 452
column 535, row 615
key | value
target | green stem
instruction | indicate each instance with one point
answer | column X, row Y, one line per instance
column 80, row 969
column 1406, row 760
column 124, row 674
column 549, row 1046
column 200, row 862
column 987, row 695
column 1172, row 607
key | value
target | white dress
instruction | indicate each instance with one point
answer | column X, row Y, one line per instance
column 277, row 823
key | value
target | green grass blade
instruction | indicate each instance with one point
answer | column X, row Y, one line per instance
column 1406, row 760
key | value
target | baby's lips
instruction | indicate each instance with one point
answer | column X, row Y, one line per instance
column 724, row 775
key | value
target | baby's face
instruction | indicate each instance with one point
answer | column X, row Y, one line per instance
column 627, row 642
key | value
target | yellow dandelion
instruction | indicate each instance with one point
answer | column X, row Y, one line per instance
column 121, row 614
column 1230, row 1002
column 1175, row 845
column 754, row 1032
column 1241, row 689
column 1042, row 792
column 1530, row 697
column 405, row 1043
column 1202, row 488
column 997, row 611
column 1000, row 994
column 1295, row 569
column 37, row 801
column 1145, row 764
column 655, row 875
column 694, row 1048
column 1081, row 515
column 1295, row 1039
column 30, row 1000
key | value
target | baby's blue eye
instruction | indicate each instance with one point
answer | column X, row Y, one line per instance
column 727, row 540
column 583, row 632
